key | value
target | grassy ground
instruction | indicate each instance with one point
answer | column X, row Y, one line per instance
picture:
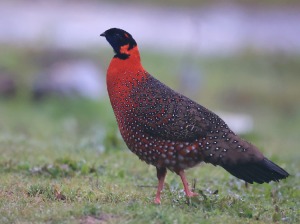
column 63, row 161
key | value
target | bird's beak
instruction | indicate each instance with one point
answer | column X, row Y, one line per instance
column 103, row 34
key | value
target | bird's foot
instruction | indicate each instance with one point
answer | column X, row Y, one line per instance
column 161, row 173
column 191, row 194
column 157, row 201
column 186, row 185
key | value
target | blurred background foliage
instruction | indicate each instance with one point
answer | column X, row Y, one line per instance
column 55, row 116
column 242, row 58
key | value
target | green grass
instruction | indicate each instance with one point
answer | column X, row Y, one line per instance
column 63, row 160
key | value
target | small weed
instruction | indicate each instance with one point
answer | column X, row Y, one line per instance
column 91, row 209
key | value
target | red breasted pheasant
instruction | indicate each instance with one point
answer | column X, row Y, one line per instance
column 170, row 131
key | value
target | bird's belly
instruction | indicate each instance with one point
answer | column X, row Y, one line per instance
column 174, row 155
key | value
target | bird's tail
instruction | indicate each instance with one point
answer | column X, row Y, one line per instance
column 245, row 161
column 260, row 172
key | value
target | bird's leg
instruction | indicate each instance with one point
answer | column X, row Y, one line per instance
column 186, row 185
column 161, row 174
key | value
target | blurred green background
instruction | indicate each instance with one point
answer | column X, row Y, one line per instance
column 56, row 122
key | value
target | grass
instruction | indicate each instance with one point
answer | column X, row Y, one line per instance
column 63, row 160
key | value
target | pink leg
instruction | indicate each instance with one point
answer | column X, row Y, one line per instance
column 161, row 174
column 186, row 185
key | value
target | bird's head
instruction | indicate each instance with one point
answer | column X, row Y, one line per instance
column 120, row 40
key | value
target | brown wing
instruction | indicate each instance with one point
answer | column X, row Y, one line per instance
column 167, row 114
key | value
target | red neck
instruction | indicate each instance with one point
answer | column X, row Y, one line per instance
column 119, row 65
column 122, row 71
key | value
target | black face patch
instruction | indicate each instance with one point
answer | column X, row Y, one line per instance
column 122, row 56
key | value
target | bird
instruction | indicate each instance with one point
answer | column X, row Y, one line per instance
column 170, row 131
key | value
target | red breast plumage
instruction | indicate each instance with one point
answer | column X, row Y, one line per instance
column 170, row 131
